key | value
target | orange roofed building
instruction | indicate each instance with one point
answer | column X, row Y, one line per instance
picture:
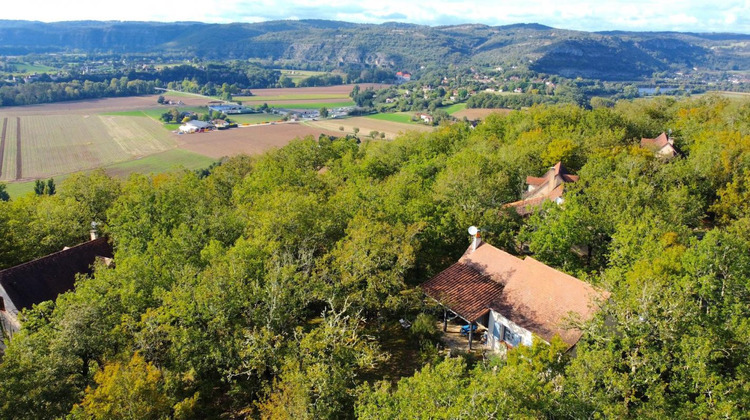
column 517, row 300
column 548, row 187
column 662, row 146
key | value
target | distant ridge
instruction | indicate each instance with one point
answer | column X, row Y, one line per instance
column 325, row 44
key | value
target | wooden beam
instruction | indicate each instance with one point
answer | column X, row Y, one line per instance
column 445, row 319
column 470, row 334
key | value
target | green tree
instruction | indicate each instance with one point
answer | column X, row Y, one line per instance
column 126, row 391
column 39, row 187
column 4, row 196
column 323, row 112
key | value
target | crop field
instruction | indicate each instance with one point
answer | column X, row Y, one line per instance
column 59, row 144
column 310, row 105
column 249, row 140
column 99, row 106
column 400, row 117
column 366, row 125
column 292, row 97
column 452, row 109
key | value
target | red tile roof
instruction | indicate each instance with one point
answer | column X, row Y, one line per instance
column 656, row 143
column 548, row 187
column 531, row 294
column 465, row 290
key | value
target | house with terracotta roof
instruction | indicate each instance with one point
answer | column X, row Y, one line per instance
column 45, row 278
column 662, row 146
column 519, row 301
column 548, row 187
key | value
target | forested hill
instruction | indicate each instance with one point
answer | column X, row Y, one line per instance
column 327, row 44
column 269, row 288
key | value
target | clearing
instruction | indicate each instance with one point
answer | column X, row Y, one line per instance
column 366, row 125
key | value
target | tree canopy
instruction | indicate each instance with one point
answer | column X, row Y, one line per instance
column 263, row 288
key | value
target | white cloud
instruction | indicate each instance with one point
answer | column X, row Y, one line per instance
column 688, row 15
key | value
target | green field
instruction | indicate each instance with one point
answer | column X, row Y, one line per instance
column 297, row 75
column 295, row 97
column 253, row 118
column 454, row 108
column 161, row 162
column 401, row 117
column 313, row 105
column 28, row 68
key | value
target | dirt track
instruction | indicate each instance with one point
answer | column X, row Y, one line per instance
column 18, row 148
column 2, row 144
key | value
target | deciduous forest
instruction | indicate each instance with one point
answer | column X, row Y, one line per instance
column 271, row 286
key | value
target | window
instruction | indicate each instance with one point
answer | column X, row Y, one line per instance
column 511, row 338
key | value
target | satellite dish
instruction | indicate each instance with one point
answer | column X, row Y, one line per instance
column 473, row 230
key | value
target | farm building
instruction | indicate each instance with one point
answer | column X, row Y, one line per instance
column 229, row 109
column 518, row 300
column 195, row 126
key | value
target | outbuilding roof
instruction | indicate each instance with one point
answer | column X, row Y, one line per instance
column 47, row 277
column 533, row 295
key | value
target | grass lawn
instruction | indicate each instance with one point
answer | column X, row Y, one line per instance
column 454, row 108
column 33, row 68
column 400, row 117
column 158, row 163
column 253, row 118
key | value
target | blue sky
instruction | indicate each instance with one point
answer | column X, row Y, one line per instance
column 589, row 15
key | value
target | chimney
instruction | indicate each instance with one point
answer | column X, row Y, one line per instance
column 2, row 304
column 474, row 232
column 94, row 232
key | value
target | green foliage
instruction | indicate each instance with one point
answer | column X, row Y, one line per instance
column 259, row 288
column 125, row 392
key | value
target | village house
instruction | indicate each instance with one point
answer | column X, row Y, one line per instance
column 663, row 146
column 518, row 301
column 548, row 187
column 45, row 278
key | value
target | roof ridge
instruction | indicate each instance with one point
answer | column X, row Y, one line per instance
column 56, row 253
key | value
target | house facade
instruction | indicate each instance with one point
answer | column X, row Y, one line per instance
column 519, row 301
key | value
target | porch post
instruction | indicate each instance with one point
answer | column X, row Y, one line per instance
column 470, row 335
column 445, row 319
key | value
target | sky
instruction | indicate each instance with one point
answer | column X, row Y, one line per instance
column 587, row 15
